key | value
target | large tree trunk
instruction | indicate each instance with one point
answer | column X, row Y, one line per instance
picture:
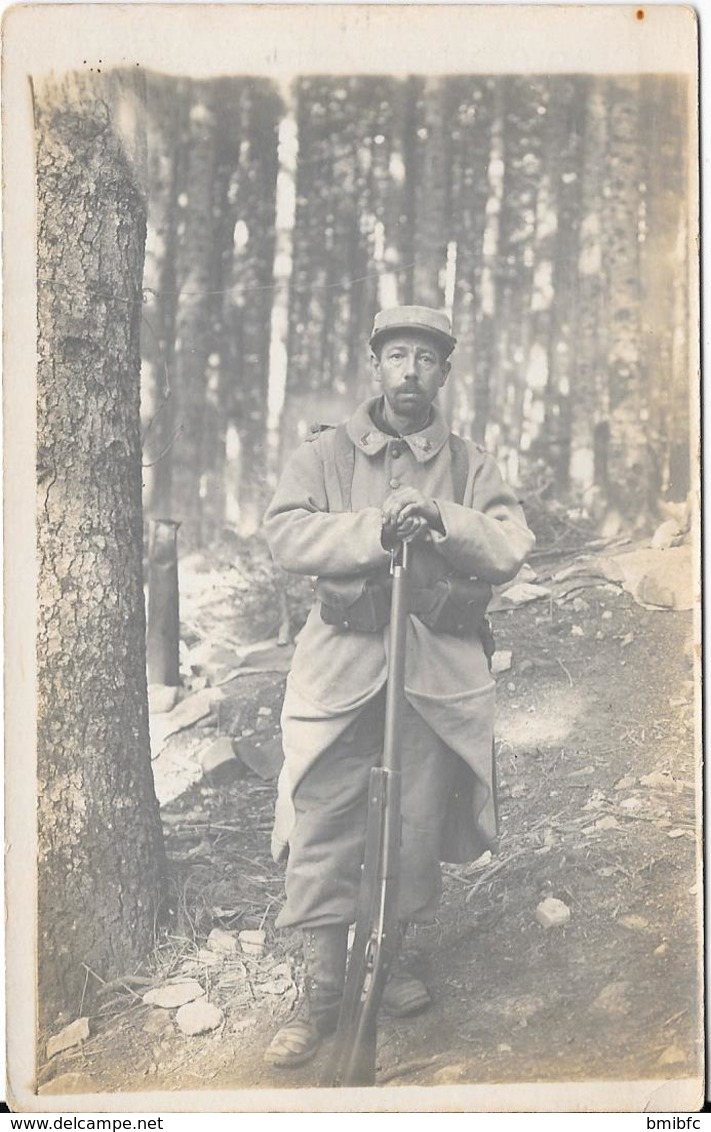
column 100, row 845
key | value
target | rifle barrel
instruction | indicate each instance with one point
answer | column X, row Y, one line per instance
column 395, row 691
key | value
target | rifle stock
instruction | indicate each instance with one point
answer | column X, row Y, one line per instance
column 353, row 1057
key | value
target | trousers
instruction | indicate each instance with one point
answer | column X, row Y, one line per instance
column 327, row 842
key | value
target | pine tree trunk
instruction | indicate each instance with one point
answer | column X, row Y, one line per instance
column 100, row 844
column 628, row 462
column 431, row 193
column 664, row 271
column 166, row 112
column 470, row 112
column 192, row 324
column 589, row 408
column 556, row 324
column 486, row 427
column 249, row 277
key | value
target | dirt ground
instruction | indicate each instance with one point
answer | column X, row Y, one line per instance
column 598, row 698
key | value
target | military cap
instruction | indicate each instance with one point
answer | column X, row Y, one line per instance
column 426, row 319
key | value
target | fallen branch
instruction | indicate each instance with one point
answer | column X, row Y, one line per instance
column 126, row 982
column 487, row 876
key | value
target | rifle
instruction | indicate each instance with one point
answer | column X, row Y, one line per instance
column 352, row 1061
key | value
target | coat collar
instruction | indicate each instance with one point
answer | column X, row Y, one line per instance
column 369, row 438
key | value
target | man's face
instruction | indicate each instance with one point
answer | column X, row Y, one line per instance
column 411, row 369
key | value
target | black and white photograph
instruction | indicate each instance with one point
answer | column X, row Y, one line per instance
column 352, row 586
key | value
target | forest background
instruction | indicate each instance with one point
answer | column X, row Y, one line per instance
column 548, row 214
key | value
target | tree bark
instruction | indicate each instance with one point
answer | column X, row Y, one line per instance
column 100, row 844
column 557, row 320
column 165, row 123
column 628, row 465
column 664, row 272
column 193, row 339
column 470, row 113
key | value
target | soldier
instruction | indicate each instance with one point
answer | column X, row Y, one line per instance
column 392, row 471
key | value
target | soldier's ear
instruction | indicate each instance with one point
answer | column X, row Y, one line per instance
column 446, row 367
column 375, row 365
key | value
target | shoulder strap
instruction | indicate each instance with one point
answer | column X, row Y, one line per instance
column 339, row 461
column 344, row 455
column 460, row 466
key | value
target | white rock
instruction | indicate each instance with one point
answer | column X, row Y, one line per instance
column 525, row 574
column 198, row 1017
column 630, row 804
column 72, row 1035
column 523, row 592
column 218, row 760
column 208, row 958
column 552, row 913
column 660, row 578
column 253, row 942
column 265, row 711
column 607, row 615
column 173, row 994
column 662, row 949
column 667, row 534
column 276, row 986
column 625, row 783
column 222, row 941
column 161, row 698
column 675, row 833
column 607, row 823
column 657, row 781
column 501, row 661
column 281, row 971
column 187, row 713
column 634, row 923
column 577, row 631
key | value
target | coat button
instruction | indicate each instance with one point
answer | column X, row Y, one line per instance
column 395, row 452
column 394, row 483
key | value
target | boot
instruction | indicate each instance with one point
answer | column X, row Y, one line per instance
column 403, row 995
column 317, row 1014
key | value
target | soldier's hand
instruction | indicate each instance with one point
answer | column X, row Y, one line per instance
column 406, row 504
column 389, row 536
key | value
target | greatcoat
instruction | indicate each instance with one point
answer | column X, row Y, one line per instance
column 334, row 674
